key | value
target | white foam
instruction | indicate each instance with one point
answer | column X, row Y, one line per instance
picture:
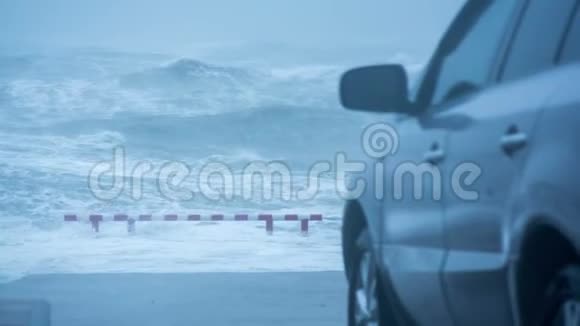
column 159, row 247
column 46, row 155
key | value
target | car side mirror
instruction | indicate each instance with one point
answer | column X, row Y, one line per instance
column 381, row 88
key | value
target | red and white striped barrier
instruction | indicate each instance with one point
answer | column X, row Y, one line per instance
column 269, row 219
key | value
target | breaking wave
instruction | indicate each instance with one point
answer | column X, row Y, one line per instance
column 63, row 113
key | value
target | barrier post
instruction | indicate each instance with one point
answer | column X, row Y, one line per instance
column 95, row 220
column 131, row 225
column 304, row 226
column 269, row 222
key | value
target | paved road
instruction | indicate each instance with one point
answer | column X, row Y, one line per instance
column 214, row 299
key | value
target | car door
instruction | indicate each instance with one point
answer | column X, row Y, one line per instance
column 484, row 159
column 413, row 247
column 413, row 225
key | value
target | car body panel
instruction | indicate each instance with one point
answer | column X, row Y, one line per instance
column 452, row 260
column 477, row 231
column 413, row 248
column 549, row 190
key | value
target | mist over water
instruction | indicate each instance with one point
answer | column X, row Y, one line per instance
column 63, row 113
column 249, row 87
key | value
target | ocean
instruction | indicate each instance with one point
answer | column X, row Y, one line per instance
column 66, row 113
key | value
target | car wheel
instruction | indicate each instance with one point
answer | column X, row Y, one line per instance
column 363, row 298
column 561, row 306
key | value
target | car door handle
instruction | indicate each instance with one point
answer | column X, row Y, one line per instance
column 513, row 140
column 435, row 155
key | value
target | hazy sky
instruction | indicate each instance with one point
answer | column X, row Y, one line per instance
column 175, row 26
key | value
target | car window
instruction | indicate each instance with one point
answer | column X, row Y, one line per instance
column 571, row 50
column 538, row 38
column 466, row 68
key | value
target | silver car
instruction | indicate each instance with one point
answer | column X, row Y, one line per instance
column 477, row 221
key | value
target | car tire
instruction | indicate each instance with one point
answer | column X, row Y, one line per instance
column 365, row 297
column 561, row 304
